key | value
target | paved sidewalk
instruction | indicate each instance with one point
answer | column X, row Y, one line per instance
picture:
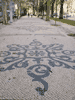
column 37, row 61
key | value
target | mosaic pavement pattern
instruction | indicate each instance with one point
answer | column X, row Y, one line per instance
column 32, row 25
column 18, row 56
column 32, row 28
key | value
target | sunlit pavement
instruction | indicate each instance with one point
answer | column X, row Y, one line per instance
column 37, row 60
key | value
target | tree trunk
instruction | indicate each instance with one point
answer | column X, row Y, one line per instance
column 42, row 8
column 56, row 8
column 18, row 12
column 34, row 8
column 43, row 13
column 4, row 12
column 61, row 10
column 37, row 8
column 52, row 8
column 48, row 10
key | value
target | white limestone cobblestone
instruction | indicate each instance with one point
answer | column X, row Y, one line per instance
column 16, row 83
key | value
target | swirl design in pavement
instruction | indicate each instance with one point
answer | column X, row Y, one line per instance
column 18, row 56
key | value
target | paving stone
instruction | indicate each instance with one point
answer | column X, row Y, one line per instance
column 37, row 61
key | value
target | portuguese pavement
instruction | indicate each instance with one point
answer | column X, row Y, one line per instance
column 37, row 60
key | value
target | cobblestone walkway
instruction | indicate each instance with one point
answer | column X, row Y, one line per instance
column 37, row 61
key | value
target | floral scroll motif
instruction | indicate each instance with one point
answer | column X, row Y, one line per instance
column 19, row 55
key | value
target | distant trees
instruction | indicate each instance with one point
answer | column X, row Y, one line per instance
column 41, row 8
column 18, row 2
column 44, row 5
column 4, row 7
column 49, row 5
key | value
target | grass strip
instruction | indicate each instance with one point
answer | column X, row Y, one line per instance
column 70, row 22
column 71, row 34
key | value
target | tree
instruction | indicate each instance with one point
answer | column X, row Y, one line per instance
column 4, row 3
column 37, row 8
column 33, row 7
column 48, row 3
column 18, row 2
column 61, row 9
column 52, row 8
column 41, row 8
column 48, row 10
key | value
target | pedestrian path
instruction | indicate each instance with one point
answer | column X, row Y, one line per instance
column 37, row 61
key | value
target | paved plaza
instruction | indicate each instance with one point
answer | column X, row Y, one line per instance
column 37, row 60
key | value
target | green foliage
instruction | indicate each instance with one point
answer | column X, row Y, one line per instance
column 41, row 7
column 71, row 34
